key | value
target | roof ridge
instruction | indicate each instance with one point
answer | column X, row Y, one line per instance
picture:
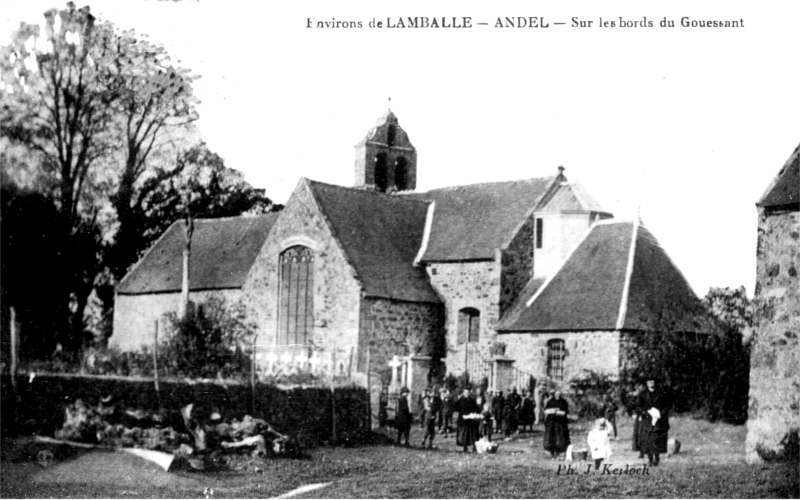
column 480, row 184
column 233, row 217
column 623, row 305
column 370, row 192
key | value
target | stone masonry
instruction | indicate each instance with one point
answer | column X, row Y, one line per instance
column 475, row 285
column 774, row 407
column 595, row 351
column 337, row 293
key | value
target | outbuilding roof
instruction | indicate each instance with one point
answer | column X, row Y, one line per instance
column 472, row 222
column 784, row 190
column 223, row 251
column 617, row 278
column 380, row 234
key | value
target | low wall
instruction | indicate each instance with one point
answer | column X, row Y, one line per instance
column 304, row 411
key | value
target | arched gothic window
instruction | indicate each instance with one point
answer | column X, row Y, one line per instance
column 381, row 172
column 555, row 359
column 296, row 296
column 469, row 325
column 401, row 173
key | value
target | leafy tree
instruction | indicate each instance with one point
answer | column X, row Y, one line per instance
column 732, row 309
column 56, row 105
column 155, row 104
column 730, row 353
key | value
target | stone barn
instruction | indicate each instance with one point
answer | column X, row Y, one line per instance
column 774, row 407
column 348, row 278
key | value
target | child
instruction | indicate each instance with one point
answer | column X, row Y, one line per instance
column 599, row 442
column 486, row 421
column 429, row 413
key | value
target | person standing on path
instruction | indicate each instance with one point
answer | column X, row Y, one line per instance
column 403, row 418
column 654, row 404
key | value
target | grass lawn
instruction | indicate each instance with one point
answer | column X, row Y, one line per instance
column 710, row 465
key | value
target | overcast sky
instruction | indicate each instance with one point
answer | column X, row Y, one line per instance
column 688, row 124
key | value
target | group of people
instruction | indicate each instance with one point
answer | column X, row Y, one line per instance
column 483, row 415
column 480, row 416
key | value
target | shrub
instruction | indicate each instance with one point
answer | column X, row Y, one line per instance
column 212, row 340
column 588, row 393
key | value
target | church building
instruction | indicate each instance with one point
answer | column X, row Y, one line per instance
column 504, row 280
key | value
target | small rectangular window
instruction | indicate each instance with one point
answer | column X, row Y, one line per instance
column 539, row 232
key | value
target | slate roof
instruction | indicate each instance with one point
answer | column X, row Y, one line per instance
column 380, row 234
column 784, row 190
column 471, row 222
column 223, row 251
column 601, row 286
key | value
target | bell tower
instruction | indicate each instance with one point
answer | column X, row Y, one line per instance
column 385, row 159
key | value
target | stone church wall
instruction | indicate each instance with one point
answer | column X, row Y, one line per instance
column 393, row 327
column 135, row 315
column 336, row 291
column 774, row 407
column 596, row 351
column 516, row 265
column 468, row 284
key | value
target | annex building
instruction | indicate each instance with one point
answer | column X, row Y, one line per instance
column 505, row 280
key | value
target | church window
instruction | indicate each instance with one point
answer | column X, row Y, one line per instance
column 296, row 296
column 469, row 325
column 401, row 173
column 381, row 172
column 539, row 232
column 555, row 359
column 391, row 134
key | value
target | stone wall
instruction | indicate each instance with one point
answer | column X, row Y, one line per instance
column 596, row 351
column 337, row 292
column 774, row 407
column 468, row 284
column 397, row 328
column 516, row 264
column 135, row 315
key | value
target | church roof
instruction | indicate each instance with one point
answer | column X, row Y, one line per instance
column 379, row 133
column 784, row 190
column 617, row 278
column 472, row 222
column 572, row 197
column 223, row 251
column 380, row 234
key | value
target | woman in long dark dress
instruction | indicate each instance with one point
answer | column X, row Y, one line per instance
column 467, row 429
column 556, row 431
column 654, row 406
column 403, row 418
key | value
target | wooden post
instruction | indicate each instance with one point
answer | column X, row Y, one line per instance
column 14, row 350
column 333, row 396
column 155, row 365
column 253, row 379
column 350, row 365
column 369, row 391
column 183, row 308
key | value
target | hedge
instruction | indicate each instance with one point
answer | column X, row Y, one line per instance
column 303, row 411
